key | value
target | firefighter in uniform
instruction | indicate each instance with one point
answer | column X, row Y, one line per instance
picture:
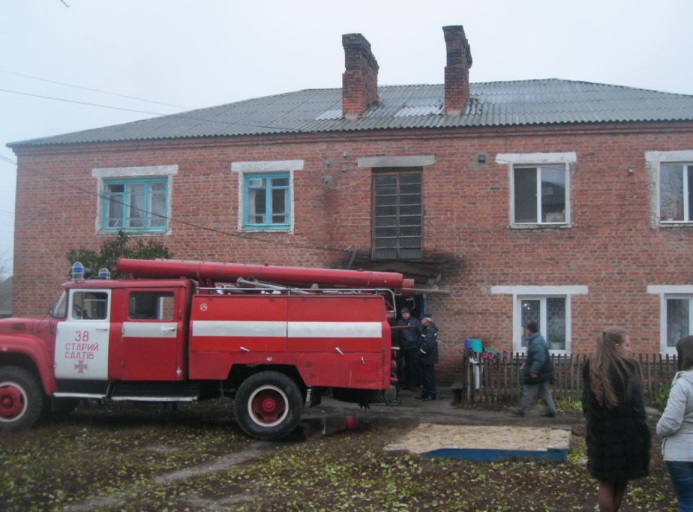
column 428, row 357
column 408, row 342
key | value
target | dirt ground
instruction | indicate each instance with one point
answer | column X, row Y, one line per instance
column 442, row 411
column 134, row 457
column 439, row 424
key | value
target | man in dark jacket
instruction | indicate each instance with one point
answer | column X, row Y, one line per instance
column 538, row 372
column 408, row 342
column 428, row 357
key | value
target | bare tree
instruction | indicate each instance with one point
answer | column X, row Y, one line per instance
column 5, row 284
column 5, row 265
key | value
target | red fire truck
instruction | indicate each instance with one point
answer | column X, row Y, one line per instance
column 273, row 338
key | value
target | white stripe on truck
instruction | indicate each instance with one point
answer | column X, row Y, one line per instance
column 149, row 329
column 251, row 329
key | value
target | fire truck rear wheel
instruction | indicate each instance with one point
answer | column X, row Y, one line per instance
column 268, row 405
column 21, row 398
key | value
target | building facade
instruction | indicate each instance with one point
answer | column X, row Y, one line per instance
column 568, row 203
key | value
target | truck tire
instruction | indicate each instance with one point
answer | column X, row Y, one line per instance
column 268, row 405
column 21, row 398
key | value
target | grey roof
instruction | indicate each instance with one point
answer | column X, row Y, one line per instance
column 492, row 104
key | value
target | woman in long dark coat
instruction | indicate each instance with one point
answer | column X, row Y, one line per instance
column 618, row 438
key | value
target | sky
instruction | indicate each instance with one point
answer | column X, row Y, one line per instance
column 71, row 65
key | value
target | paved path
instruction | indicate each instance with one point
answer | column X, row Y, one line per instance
column 442, row 410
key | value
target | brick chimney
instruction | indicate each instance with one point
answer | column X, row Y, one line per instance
column 360, row 79
column 457, row 70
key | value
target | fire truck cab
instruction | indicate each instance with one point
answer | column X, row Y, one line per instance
column 273, row 338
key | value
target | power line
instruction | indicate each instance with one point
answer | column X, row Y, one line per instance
column 178, row 221
column 90, row 89
column 3, row 157
column 81, row 102
column 183, row 114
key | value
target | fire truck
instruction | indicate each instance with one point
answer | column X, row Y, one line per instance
column 272, row 338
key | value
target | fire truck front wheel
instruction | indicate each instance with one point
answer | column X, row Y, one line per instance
column 21, row 398
column 268, row 405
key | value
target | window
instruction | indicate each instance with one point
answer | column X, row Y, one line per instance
column 540, row 194
column 265, row 194
column 676, row 314
column 550, row 314
column 549, row 306
column 151, row 306
column 137, row 205
column 134, row 199
column 676, row 192
column 679, row 313
column 540, row 187
column 267, row 201
column 398, row 215
column 672, row 205
column 88, row 305
column 60, row 309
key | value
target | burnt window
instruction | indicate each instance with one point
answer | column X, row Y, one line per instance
column 397, row 214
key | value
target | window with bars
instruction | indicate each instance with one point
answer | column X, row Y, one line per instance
column 135, row 205
column 397, row 214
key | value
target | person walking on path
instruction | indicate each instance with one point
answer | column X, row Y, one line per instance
column 618, row 438
column 675, row 427
column 409, row 336
column 537, row 373
column 428, row 357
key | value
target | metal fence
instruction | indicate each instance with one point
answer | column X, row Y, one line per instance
column 491, row 380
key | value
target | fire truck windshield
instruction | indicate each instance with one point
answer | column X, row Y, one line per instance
column 60, row 308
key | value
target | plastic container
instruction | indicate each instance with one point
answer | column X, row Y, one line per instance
column 474, row 344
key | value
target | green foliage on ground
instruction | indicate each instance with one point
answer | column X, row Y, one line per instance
column 659, row 399
column 568, row 405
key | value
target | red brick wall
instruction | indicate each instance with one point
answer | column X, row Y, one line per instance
column 459, row 60
column 612, row 247
column 360, row 78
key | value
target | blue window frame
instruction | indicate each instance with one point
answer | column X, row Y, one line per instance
column 135, row 205
column 266, row 201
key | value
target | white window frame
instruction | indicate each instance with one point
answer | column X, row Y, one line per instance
column 653, row 162
column 520, row 293
column 242, row 169
column 131, row 173
column 666, row 292
column 513, row 160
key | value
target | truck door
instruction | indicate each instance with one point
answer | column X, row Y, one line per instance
column 82, row 340
column 152, row 337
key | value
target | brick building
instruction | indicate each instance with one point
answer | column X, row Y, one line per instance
column 559, row 201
